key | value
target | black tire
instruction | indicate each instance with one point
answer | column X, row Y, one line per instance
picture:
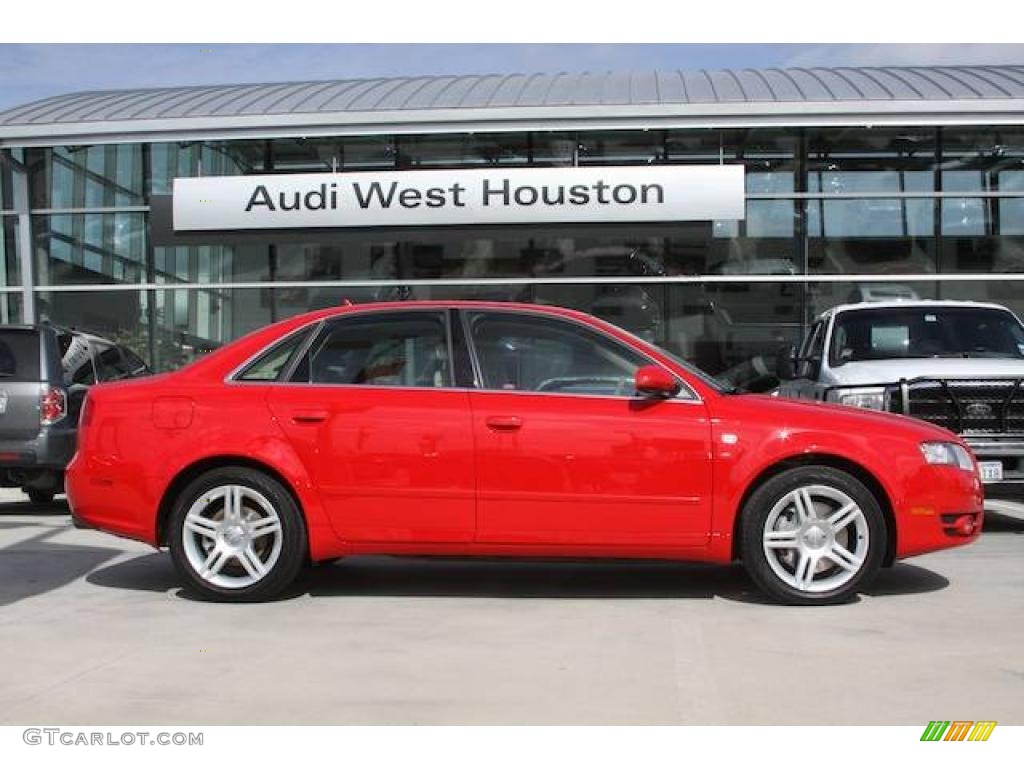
column 40, row 497
column 754, row 517
column 294, row 545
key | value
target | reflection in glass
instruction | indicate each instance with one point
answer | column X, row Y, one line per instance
column 982, row 159
column 6, row 177
column 316, row 155
column 203, row 158
column 100, row 176
column 855, row 160
column 10, row 265
column 621, row 148
column 89, row 248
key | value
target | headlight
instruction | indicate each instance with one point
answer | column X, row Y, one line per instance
column 950, row 454
column 865, row 397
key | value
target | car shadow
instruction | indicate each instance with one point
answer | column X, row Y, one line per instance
column 997, row 523
column 36, row 565
column 56, row 508
column 509, row 578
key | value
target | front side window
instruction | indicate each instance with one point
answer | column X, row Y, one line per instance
column 407, row 349
column 539, row 354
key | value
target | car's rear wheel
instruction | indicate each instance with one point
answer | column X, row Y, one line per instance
column 812, row 535
column 237, row 534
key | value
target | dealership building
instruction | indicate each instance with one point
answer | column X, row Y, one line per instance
column 713, row 212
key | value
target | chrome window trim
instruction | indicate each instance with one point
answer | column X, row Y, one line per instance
column 231, row 378
column 462, row 313
column 474, row 390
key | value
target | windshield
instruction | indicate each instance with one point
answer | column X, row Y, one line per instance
column 902, row 332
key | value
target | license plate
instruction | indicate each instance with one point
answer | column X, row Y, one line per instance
column 991, row 471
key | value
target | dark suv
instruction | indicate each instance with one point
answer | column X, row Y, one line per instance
column 44, row 374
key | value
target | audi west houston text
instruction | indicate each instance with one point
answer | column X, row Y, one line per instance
column 496, row 429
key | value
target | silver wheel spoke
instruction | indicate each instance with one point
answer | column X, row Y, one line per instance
column 218, row 556
column 233, row 503
column 844, row 516
column 781, row 539
column 264, row 526
column 252, row 563
column 844, row 558
column 804, row 505
column 805, row 567
column 203, row 526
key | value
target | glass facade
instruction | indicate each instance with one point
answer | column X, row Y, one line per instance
column 832, row 215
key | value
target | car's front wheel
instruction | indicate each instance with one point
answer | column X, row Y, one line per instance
column 237, row 534
column 812, row 535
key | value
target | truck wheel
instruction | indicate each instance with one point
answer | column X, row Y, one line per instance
column 236, row 534
column 812, row 535
column 39, row 497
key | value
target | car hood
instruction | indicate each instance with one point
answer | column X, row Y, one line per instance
column 839, row 418
column 891, row 371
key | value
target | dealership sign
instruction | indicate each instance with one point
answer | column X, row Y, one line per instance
column 460, row 197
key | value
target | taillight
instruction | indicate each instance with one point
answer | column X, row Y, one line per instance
column 53, row 405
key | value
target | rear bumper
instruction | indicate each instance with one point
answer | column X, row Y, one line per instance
column 52, row 448
column 97, row 500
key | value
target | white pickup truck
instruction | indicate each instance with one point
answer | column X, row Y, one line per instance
column 956, row 364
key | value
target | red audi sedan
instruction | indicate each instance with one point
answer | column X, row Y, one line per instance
column 494, row 429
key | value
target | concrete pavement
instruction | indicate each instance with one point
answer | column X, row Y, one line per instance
column 95, row 630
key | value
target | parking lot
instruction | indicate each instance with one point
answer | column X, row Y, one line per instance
column 95, row 630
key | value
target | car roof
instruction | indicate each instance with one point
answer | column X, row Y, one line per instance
column 912, row 304
column 443, row 304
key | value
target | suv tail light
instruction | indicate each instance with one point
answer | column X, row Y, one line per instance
column 53, row 405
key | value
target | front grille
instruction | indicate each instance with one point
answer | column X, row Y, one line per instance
column 966, row 406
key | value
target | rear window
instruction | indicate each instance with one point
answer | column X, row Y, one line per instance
column 19, row 355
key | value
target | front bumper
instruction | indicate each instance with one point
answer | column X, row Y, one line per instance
column 941, row 507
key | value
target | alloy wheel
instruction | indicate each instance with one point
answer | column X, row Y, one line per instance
column 816, row 538
column 232, row 536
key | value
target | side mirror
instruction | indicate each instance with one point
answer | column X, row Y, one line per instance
column 655, row 381
column 785, row 364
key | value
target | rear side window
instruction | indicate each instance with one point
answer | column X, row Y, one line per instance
column 408, row 349
column 270, row 365
column 19, row 355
